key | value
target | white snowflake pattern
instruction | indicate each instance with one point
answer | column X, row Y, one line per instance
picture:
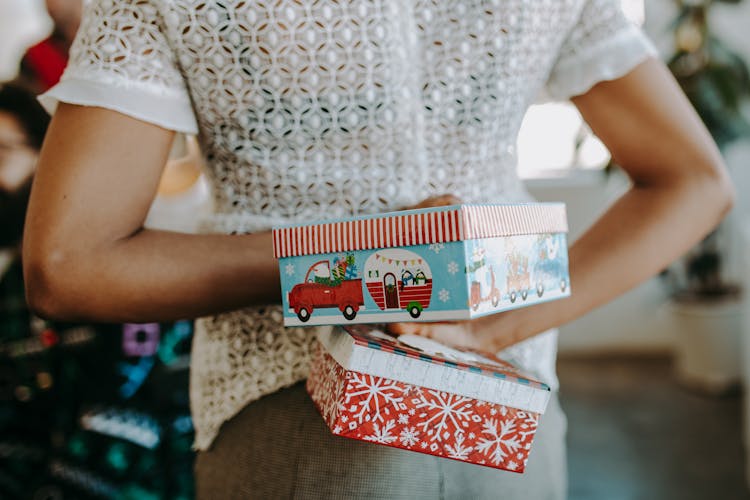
column 444, row 295
column 451, row 410
column 452, row 267
column 383, row 434
column 528, row 426
column 403, row 419
column 412, row 390
column 373, row 396
column 327, row 386
column 436, row 247
column 289, row 269
column 501, row 441
column 511, row 465
column 409, row 436
column 459, row 451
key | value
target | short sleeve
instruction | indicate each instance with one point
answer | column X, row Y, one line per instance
column 602, row 45
column 121, row 60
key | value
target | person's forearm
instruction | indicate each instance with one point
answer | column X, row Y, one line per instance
column 159, row 276
column 638, row 236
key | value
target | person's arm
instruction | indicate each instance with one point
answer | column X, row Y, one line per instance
column 86, row 255
column 680, row 192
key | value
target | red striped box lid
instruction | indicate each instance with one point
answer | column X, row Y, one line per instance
column 419, row 227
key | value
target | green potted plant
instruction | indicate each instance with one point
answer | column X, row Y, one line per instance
column 705, row 300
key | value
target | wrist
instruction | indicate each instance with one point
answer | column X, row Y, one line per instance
column 262, row 268
column 498, row 331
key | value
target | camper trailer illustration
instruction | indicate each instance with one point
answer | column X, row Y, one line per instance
column 399, row 279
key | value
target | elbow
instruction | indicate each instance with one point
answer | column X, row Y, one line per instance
column 719, row 193
column 711, row 192
column 702, row 195
column 728, row 196
column 44, row 281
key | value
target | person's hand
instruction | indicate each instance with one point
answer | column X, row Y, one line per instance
column 441, row 200
column 488, row 334
column 456, row 334
column 459, row 334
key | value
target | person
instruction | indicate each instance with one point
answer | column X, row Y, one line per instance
column 43, row 63
column 319, row 109
column 23, row 123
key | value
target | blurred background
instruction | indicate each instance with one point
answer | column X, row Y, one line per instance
column 651, row 383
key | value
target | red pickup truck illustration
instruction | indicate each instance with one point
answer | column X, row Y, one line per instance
column 323, row 289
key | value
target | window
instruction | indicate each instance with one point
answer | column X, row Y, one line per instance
column 568, row 143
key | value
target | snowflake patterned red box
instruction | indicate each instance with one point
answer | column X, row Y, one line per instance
column 418, row 395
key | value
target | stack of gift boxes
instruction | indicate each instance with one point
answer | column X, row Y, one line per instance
column 438, row 264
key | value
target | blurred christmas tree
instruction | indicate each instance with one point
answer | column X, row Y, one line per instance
column 91, row 411
column 717, row 82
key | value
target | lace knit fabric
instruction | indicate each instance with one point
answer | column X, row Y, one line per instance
column 311, row 109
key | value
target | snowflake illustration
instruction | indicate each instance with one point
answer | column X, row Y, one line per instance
column 501, row 441
column 412, row 390
column 371, row 395
column 511, row 465
column 443, row 410
column 459, row 451
column 403, row 419
column 444, row 295
column 409, row 436
column 436, row 247
column 528, row 427
column 452, row 267
column 289, row 269
column 383, row 435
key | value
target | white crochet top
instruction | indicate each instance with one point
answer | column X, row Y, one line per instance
column 312, row 109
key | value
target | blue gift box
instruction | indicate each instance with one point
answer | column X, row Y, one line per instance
column 436, row 264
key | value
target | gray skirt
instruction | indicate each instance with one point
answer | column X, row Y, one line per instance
column 279, row 447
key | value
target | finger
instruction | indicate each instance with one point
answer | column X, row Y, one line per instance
column 439, row 201
column 405, row 328
column 454, row 335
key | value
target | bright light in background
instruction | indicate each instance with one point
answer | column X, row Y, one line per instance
column 548, row 138
column 553, row 138
column 635, row 10
column 22, row 24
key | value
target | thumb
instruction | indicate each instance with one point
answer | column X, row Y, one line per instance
column 404, row 328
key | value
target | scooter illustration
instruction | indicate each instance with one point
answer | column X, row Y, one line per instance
column 476, row 292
